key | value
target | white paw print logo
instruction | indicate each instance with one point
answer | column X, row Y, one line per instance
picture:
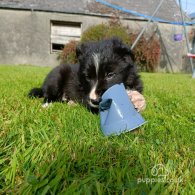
column 159, row 170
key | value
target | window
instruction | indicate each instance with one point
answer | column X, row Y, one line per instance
column 62, row 33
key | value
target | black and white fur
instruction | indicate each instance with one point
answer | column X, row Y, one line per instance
column 100, row 65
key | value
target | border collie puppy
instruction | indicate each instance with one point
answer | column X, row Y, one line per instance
column 100, row 65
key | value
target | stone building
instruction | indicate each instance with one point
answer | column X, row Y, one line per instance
column 33, row 31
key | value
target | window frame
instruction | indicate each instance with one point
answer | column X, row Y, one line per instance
column 66, row 24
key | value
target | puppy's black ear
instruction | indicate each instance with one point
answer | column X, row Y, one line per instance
column 116, row 41
column 124, row 50
column 79, row 50
column 119, row 47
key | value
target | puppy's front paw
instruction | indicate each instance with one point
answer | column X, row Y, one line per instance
column 46, row 105
column 71, row 103
column 137, row 99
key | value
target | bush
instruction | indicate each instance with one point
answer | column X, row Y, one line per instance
column 94, row 33
column 147, row 52
column 68, row 55
column 105, row 31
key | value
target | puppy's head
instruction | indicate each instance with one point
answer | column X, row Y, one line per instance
column 102, row 65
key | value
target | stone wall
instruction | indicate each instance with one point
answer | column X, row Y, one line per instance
column 25, row 38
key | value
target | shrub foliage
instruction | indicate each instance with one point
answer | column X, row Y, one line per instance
column 147, row 51
column 103, row 31
column 68, row 55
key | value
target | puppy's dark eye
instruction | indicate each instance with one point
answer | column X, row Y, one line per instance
column 88, row 76
column 110, row 75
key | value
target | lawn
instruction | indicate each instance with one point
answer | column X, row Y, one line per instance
column 61, row 149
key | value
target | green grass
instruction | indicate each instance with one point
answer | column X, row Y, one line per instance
column 61, row 150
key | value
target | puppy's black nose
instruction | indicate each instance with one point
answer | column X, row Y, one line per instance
column 96, row 101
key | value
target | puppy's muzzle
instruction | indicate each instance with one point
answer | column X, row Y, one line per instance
column 95, row 102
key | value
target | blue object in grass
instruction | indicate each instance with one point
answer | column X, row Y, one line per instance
column 117, row 112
